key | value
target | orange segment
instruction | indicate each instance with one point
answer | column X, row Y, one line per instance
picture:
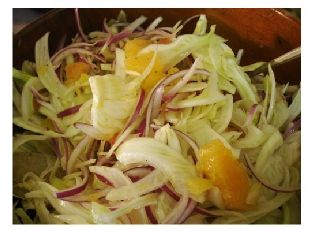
column 217, row 163
column 139, row 63
column 74, row 70
column 198, row 185
column 164, row 41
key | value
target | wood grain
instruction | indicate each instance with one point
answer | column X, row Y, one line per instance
column 263, row 33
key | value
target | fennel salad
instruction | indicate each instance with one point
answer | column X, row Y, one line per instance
column 147, row 125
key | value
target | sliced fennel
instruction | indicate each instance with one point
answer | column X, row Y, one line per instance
column 167, row 160
column 151, row 182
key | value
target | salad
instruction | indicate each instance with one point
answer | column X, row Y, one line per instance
column 149, row 125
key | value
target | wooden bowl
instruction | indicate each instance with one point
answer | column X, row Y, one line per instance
column 263, row 33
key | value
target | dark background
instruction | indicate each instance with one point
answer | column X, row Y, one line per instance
column 23, row 16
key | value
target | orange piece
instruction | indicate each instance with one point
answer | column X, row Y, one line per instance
column 217, row 163
column 74, row 70
column 139, row 63
column 164, row 41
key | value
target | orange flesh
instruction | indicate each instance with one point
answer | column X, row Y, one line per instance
column 217, row 163
column 74, row 70
column 139, row 63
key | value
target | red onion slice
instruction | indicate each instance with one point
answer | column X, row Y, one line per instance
column 203, row 211
column 56, row 147
column 69, row 111
column 266, row 184
column 190, row 19
column 58, row 57
column 186, row 138
column 159, row 34
column 149, row 101
column 217, row 213
column 104, row 179
column 65, row 142
column 182, row 82
column 190, row 141
column 38, row 96
column 175, row 214
column 80, row 30
column 148, row 117
column 251, row 114
column 157, row 101
column 102, row 161
column 170, row 192
column 138, row 172
column 189, row 209
column 91, row 152
column 74, row 45
column 141, row 128
column 120, row 36
column 150, row 215
column 76, row 189
column 292, row 128
column 137, row 110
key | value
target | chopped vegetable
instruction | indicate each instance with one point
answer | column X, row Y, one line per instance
column 218, row 164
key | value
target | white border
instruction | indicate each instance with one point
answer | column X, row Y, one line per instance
column 6, row 98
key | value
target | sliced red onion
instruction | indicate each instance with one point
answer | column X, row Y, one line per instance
column 135, row 178
column 76, row 189
column 174, row 216
column 38, row 96
column 170, row 192
column 190, row 19
column 56, row 147
column 102, row 160
column 120, row 36
column 137, row 110
column 149, row 101
column 138, row 172
column 166, row 28
column 93, row 147
column 148, row 117
column 157, row 101
column 66, row 148
column 98, row 57
column 187, row 212
column 190, row 141
column 80, row 30
column 150, row 215
column 160, row 32
column 73, row 45
column 69, row 111
column 141, row 128
column 186, row 138
column 266, row 184
column 204, row 212
column 182, row 82
column 104, row 179
column 57, row 59
column 292, row 128
column 251, row 114
column 217, row 213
